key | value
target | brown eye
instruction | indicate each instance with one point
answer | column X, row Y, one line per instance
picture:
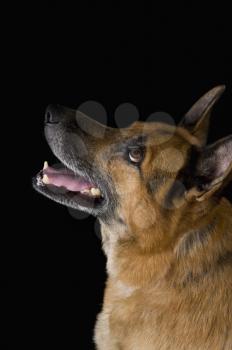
column 136, row 155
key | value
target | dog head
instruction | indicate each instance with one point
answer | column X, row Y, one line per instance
column 134, row 173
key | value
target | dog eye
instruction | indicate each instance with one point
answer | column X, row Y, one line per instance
column 135, row 155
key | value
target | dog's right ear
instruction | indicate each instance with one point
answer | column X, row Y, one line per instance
column 196, row 120
column 213, row 167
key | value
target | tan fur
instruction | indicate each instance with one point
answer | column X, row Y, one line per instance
column 159, row 295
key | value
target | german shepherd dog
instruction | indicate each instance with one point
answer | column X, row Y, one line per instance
column 166, row 230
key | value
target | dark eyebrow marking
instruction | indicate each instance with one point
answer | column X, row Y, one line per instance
column 136, row 141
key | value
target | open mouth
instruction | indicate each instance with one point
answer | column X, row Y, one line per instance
column 64, row 186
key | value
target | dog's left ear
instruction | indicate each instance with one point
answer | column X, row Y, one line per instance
column 196, row 121
column 213, row 167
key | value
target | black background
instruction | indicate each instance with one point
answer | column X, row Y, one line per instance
column 157, row 59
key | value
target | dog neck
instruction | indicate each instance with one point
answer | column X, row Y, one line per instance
column 147, row 256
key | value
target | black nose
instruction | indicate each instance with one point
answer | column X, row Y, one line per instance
column 52, row 115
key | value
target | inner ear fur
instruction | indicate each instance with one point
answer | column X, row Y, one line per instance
column 213, row 169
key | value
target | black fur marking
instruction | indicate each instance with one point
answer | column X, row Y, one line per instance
column 194, row 240
column 187, row 175
column 176, row 191
column 196, row 278
column 225, row 259
column 156, row 182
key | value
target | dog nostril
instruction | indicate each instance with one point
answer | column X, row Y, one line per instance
column 48, row 117
column 52, row 115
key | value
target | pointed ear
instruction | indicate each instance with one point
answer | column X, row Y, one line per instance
column 197, row 118
column 213, row 169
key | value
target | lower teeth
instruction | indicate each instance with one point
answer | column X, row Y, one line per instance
column 93, row 192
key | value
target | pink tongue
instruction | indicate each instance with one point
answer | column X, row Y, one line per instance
column 66, row 178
